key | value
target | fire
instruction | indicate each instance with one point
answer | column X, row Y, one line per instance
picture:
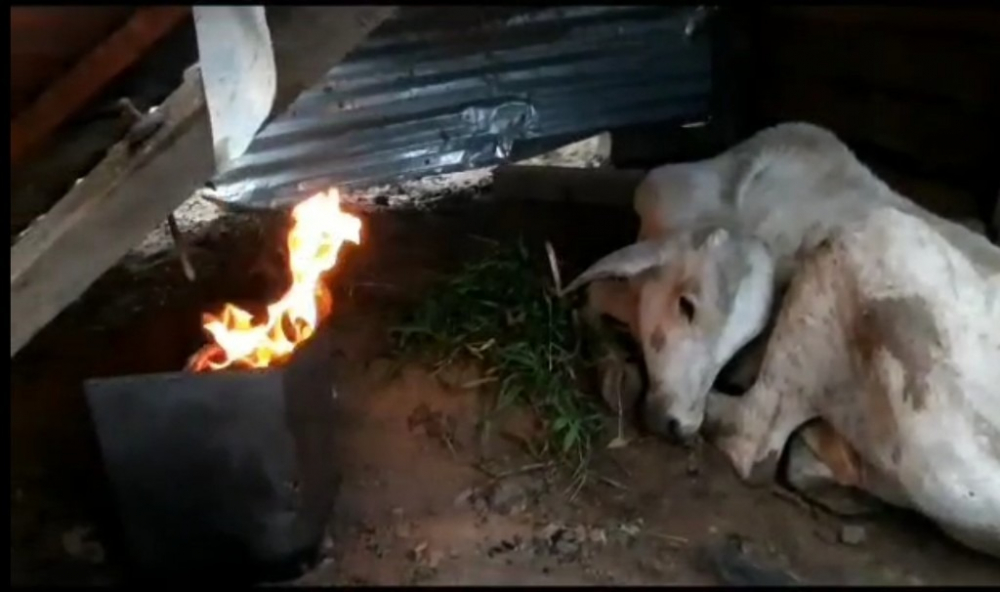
column 319, row 228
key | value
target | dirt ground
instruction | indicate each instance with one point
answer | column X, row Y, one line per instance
column 421, row 503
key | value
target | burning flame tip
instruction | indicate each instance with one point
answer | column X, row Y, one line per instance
column 319, row 229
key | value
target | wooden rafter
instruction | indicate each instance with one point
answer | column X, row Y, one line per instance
column 128, row 194
column 90, row 75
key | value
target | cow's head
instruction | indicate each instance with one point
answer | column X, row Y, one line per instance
column 696, row 298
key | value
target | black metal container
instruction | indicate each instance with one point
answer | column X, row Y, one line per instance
column 223, row 475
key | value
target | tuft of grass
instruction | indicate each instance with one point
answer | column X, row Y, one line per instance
column 501, row 311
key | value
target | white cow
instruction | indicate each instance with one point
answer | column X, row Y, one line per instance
column 789, row 187
column 889, row 332
column 891, row 336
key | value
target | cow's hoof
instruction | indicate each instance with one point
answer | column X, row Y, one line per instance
column 733, row 447
column 762, row 472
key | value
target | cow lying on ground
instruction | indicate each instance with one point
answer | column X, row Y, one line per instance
column 789, row 186
column 892, row 337
column 725, row 235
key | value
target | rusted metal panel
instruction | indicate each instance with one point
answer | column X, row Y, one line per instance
column 45, row 41
column 441, row 90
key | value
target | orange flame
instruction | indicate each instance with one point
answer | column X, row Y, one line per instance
column 319, row 229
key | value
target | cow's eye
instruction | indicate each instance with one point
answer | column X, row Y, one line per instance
column 687, row 308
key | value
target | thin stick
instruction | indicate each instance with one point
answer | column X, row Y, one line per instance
column 612, row 483
column 479, row 382
column 525, row 469
column 621, row 411
column 513, row 472
column 446, row 437
column 582, row 482
column 554, row 266
column 672, row 539
column 793, row 499
column 183, row 249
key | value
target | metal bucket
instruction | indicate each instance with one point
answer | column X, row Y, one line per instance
column 224, row 475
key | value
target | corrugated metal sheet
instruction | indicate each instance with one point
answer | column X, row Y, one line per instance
column 444, row 90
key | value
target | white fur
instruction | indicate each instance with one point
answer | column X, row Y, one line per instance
column 789, row 186
column 892, row 336
column 827, row 221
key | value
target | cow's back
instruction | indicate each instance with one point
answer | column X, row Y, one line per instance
column 945, row 301
column 800, row 183
column 938, row 355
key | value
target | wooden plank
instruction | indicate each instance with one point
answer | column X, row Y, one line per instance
column 46, row 41
column 90, row 75
column 72, row 152
column 126, row 196
column 598, row 186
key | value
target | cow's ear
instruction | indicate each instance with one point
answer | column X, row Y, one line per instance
column 625, row 262
column 616, row 299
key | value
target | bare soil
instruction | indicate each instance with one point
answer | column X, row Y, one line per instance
column 426, row 497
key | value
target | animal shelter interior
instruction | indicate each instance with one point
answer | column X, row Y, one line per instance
column 505, row 295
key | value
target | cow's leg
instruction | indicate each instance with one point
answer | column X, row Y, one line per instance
column 752, row 430
column 803, row 358
column 824, row 469
column 607, row 318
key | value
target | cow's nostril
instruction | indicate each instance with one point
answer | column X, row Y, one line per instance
column 673, row 429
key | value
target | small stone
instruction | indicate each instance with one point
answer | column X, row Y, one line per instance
column 417, row 553
column 566, row 548
column 464, row 497
column 404, row 530
column 509, row 497
column 852, row 534
column 631, row 530
column 550, row 531
column 434, row 558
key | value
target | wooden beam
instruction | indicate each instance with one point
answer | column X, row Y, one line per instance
column 90, row 75
column 599, row 186
column 126, row 196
